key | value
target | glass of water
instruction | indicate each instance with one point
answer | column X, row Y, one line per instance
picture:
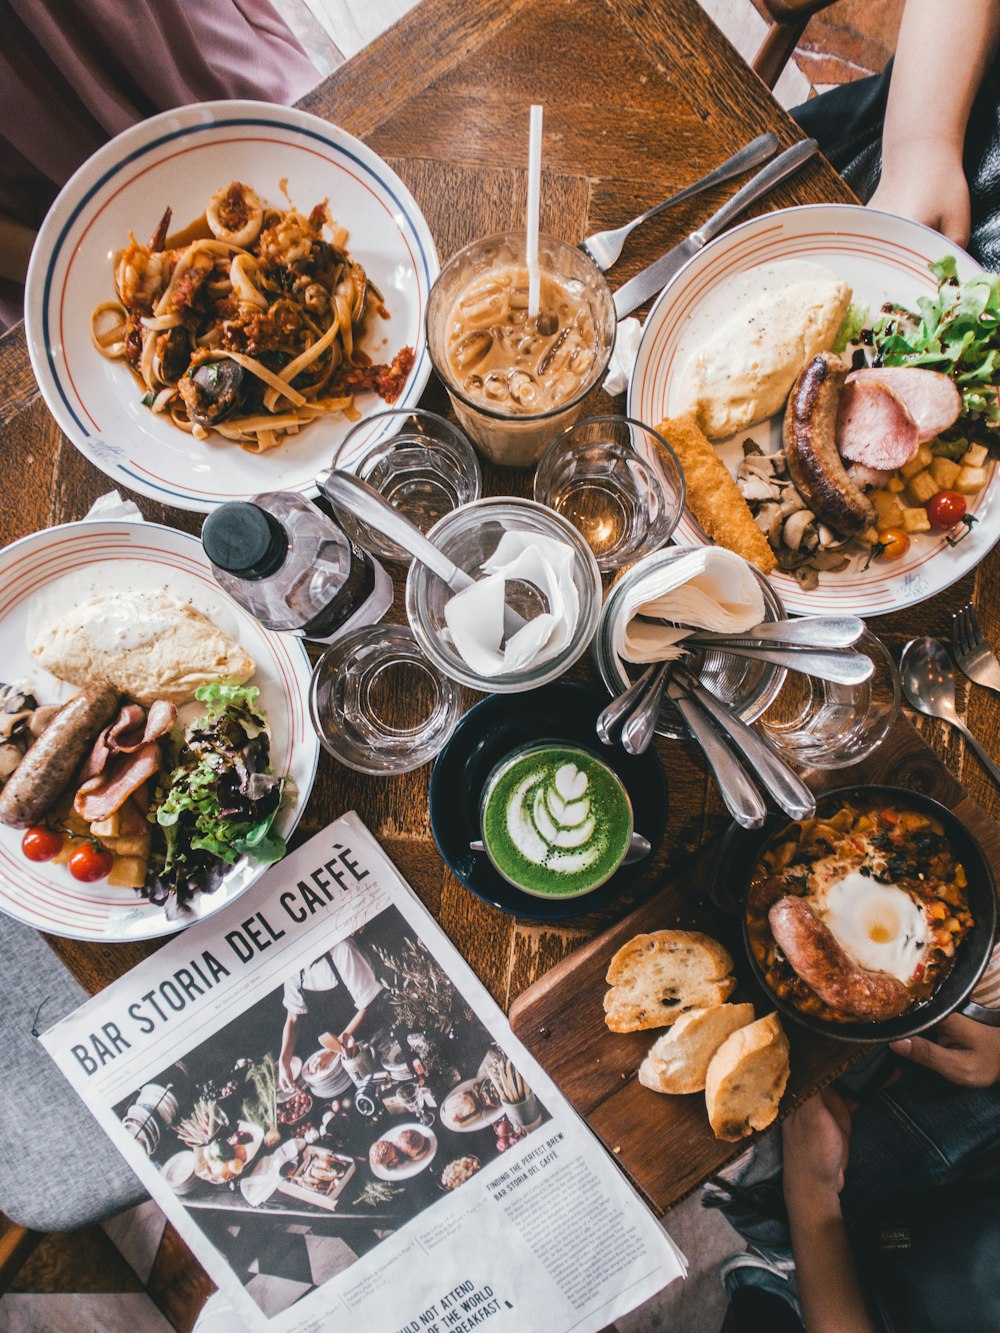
column 422, row 464
column 816, row 724
column 618, row 482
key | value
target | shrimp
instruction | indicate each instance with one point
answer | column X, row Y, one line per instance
column 140, row 275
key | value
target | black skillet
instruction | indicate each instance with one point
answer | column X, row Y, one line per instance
column 737, row 858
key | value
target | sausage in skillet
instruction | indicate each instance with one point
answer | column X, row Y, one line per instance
column 49, row 765
column 815, row 955
column 810, row 438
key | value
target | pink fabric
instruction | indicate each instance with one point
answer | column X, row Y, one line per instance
column 74, row 73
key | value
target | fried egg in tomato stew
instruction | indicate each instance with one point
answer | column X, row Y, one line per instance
column 884, row 883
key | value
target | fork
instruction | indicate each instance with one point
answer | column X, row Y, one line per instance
column 971, row 651
column 604, row 247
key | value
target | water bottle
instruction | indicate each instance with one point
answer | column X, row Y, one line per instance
column 293, row 568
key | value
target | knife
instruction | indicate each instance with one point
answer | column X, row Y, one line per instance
column 655, row 276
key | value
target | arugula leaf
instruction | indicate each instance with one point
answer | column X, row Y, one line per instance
column 855, row 319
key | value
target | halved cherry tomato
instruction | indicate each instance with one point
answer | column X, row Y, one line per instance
column 894, row 543
column 90, row 862
column 946, row 509
column 41, row 843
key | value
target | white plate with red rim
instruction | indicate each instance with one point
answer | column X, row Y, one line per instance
column 40, row 576
column 485, row 1116
column 408, row 1166
column 883, row 258
column 180, row 158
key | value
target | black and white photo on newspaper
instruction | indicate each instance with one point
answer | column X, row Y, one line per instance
column 335, row 1115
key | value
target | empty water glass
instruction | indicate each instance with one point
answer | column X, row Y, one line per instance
column 422, row 464
column 618, row 482
column 817, row 724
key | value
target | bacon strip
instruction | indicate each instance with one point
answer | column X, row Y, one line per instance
column 100, row 796
column 124, row 736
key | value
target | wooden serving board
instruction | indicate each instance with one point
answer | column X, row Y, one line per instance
column 665, row 1143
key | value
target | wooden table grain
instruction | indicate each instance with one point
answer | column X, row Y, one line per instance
column 640, row 99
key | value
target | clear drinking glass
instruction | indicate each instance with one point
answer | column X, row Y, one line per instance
column 616, row 481
column 816, row 724
column 378, row 705
column 507, row 429
column 422, row 464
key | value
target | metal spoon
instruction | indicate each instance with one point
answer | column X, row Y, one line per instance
column 638, row 849
column 640, row 726
column 929, row 684
column 366, row 504
column 619, row 708
column 841, row 667
column 742, row 799
column 808, row 631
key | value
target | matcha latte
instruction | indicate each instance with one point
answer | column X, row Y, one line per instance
column 556, row 821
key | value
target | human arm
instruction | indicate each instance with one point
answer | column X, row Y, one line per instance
column 939, row 64
column 815, row 1141
column 289, row 1034
column 960, row 1050
column 354, row 1024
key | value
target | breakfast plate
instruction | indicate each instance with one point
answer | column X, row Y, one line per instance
column 883, row 258
column 181, row 158
column 486, row 1114
column 41, row 576
column 408, row 1166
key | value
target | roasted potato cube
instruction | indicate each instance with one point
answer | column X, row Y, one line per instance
column 895, row 483
column 107, row 828
column 888, row 509
column 944, row 472
column 970, row 480
column 975, row 456
column 920, row 460
column 921, row 487
column 916, row 520
column 136, row 845
column 133, row 820
column 128, row 872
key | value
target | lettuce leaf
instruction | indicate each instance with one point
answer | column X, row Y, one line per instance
column 855, row 319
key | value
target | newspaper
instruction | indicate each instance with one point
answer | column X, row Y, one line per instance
column 337, row 1118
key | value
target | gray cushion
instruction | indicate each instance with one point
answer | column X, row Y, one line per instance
column 58, row 1168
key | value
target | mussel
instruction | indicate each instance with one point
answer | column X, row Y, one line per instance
column 214, row 391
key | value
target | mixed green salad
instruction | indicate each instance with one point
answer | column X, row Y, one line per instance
column 219, row 800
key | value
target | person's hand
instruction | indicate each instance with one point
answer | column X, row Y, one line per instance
column 925, row 180
column 959, row 1049
column 816, row 1141
column 285, row 1080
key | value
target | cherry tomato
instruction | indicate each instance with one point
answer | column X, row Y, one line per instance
column 946, row 509
column 90, row 862
column 41, row 843
column 894, row 542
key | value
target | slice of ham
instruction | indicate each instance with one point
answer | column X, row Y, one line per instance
column 100, row 796
column 931, row 398
column 874, row 426
column 132, row 728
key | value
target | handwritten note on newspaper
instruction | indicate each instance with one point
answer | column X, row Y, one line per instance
column 335, row 1115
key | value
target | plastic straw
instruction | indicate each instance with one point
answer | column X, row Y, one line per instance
column 534, row 195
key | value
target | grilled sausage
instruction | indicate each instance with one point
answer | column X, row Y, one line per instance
column 49, row 765
column 818, row 959
column 814, row 463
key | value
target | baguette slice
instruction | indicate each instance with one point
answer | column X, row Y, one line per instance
column 678, row 1061
column 745, row 1079
column 657, row 977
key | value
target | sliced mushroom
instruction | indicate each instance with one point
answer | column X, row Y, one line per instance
column 806, row 577
column 751, row 448
column 827, row 538
column 41, row 718
column 766, row 516
column 755, row 488
column 10, row 756
column 799, row 531
column 831, row 561
column 791, row 502
column 758, row 465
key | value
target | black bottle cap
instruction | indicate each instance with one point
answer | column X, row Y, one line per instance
column 244, row 540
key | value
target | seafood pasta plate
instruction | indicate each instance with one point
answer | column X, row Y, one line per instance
column 117, row 568
column 227, row 350
column 881, row 259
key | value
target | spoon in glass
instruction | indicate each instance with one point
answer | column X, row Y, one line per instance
column 928, row 679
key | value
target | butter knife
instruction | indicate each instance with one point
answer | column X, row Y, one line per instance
column 655, row 276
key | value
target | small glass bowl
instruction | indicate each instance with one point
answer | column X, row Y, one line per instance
column 616, row 480
column 469, row 536
column 747, row 687
column 817, row 724
column 378, row 705
column 417, row 461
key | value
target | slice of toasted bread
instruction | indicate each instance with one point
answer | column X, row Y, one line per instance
column 678, row 1061
column 746, row 1077
column 657, row 977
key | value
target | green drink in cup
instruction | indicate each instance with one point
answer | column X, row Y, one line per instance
column 556, row 820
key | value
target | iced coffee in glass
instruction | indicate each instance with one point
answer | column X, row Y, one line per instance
column 517, row 379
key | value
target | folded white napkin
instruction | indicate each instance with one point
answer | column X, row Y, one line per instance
column 623, row 356
column 708, row 589
column 475, row 615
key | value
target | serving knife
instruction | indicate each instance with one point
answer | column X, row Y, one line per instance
column 655, row 276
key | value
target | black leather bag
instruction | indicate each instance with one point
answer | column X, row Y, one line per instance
column 931, row 1260
column 847, row 122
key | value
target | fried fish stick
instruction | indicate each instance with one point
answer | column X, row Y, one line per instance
column 713, row 496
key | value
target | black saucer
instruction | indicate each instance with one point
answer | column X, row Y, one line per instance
column 564, row 712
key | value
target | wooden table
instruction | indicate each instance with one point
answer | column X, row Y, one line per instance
column 640, row 99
